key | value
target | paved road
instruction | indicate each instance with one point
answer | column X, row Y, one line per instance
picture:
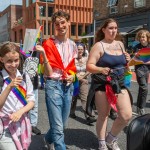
column 78, row 135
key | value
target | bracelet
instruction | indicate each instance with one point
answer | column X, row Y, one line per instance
column 46, row 62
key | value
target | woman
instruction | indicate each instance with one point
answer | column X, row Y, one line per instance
column 107, row 61
column 142, row 71
column 82, row 75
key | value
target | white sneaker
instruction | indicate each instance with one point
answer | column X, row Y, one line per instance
column 113, row 145
column 104, row 147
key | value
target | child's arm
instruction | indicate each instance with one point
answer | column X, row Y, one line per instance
column 14, row 83
column 18, row 114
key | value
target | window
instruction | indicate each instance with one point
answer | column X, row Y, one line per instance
column 139, row 3
column 113, row 10
column 112, row 3
column 47, row 0
column 73, row 30
column 33, row 1
column 27, row 3
column 50, row 11
column 80, row 30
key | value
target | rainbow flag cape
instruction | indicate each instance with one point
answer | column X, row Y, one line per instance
column 75, row 83
column 127, row 78
column 19, row 92
column 142, row 56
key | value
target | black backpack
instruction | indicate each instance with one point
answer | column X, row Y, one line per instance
column 138, row 133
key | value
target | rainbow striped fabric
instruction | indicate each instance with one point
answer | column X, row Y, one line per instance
column 127, row 78
column 144, row 54
column 75, row 83
column 19, row 92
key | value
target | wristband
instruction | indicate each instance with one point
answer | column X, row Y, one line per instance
column 46, row 62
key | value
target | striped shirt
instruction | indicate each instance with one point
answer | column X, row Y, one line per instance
column 12, row 104
column 67, row 50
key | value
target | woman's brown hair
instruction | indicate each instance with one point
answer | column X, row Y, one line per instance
column 100, row 34
column 6, row 48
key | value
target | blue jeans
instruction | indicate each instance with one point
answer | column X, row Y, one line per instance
column 58, row 102
column 34, row 112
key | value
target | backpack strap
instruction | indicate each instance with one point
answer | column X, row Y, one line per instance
column 1, row 81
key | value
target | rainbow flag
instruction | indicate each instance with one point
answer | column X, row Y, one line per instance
column 144, row 54
column 19, row 92
column 75, row 83
column 127, row 78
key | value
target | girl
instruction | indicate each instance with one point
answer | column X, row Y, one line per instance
column 142, row 71
column 16, row 99
column 107, row 61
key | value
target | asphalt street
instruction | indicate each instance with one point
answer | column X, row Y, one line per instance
column 79, row 135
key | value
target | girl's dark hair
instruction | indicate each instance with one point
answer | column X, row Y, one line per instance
column 6, row 48
column 100, row 34
column 83, row 45
column 60, row 13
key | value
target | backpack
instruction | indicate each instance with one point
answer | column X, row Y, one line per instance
column 138, row 133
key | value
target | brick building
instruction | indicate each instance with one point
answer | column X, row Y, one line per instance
column 39, row 12
column 131, row 15
column 8, row 17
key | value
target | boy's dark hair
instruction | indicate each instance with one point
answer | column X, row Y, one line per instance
column 60, row 13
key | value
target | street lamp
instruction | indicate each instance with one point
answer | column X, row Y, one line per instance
column 41, row 13
column 96, row 14
column 46, row 19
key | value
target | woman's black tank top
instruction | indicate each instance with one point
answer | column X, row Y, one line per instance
column 116, row 62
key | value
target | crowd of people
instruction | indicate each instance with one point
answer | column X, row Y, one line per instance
column 105, row 65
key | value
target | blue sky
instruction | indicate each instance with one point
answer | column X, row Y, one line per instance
column 5, row 3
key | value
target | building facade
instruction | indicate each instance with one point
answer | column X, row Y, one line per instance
column 39, row 12
column 132, row 15
column 8, row 17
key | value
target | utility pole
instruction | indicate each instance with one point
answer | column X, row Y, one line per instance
column 46, row 19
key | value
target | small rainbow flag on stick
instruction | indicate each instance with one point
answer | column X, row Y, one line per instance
column 142, row 56
column 75, row 83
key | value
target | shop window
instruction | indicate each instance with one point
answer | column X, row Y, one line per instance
column 139, row 3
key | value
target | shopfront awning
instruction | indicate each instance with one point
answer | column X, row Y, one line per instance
column 123, row 31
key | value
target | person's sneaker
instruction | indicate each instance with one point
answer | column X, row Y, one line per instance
column 46, row 144
column 36, row 131
column 104, row 147
column 113, row 145
column 140, row 111
column 73, row 115
column 91, row 119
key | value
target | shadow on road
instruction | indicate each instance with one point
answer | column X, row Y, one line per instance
column 78, row 139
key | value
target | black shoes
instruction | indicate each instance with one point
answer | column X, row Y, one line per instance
column 140, row 111
column 113, row 115
column 90, row 120
column 73, row 116
column 36, row 131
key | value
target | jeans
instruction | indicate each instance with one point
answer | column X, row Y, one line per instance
column 58, row 102
column 34, row 112
column 6, row 142
column 142, row 75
